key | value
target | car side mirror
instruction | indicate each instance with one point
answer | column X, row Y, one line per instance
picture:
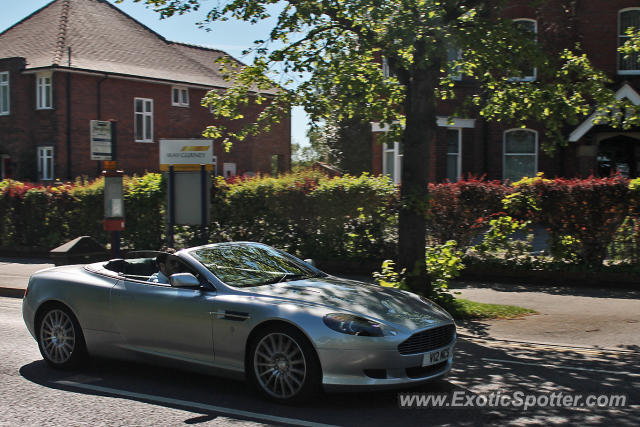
column 310, row 261
column 184, row 280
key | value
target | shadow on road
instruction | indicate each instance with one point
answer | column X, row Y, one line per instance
column 593, row 372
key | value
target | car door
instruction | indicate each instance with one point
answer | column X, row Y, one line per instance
column 165, row 321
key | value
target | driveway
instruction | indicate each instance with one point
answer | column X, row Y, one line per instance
column 574, row 316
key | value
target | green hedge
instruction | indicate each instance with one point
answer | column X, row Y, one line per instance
column 47, row 216
column 345, row 218
column 309, row 214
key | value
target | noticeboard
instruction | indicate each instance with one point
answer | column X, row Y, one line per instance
column 101, row 140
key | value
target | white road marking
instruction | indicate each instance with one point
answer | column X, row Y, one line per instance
column 202, row 406
column 572, row 368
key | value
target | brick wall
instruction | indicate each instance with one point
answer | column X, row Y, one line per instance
column 561, row 24
column 26, row 127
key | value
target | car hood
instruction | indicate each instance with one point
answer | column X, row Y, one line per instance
column 377, row 302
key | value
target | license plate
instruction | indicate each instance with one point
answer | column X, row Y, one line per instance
column 436, row 356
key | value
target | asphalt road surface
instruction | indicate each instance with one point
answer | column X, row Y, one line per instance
column 117, row 393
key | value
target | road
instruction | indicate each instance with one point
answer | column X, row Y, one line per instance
column 118, row 393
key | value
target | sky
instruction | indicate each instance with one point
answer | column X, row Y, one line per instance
column 232, row 36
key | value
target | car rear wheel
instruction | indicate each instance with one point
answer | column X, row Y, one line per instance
column 60, row 338
column 284, row 365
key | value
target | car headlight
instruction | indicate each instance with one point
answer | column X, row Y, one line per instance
column 353, row 325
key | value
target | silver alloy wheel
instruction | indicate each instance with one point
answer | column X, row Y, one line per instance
column 280, row 366
column 57, row 336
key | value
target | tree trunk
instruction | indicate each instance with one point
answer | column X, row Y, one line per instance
column 419, row 136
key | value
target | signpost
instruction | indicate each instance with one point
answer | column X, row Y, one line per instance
column 189, row 163
column 113, row 205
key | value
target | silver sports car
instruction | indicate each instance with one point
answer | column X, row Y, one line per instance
column 241, row 309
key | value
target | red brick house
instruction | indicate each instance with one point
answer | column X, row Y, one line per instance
column 79, row 60
column 473, row 146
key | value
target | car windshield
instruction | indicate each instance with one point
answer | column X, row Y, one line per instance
column 245, row 265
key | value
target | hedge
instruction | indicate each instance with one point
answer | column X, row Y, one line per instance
column 309, row 214
column 348, row 217
column 47, row 216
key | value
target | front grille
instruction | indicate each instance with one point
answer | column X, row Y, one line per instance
column 428, row 340
column 425, row 371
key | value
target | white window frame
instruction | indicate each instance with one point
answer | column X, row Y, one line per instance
column 458, row 154
column 505, row 154
column 622, row 36
column 397, row 162
column 42, row 89
column 144, row 114
column 4, row 86
column 386, row 70
column 45, row 173
column 183, row 92
column 534, row 77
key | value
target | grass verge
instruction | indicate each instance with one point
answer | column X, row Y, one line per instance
column 461, row 309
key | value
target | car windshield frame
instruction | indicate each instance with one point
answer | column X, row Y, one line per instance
column 243, row 267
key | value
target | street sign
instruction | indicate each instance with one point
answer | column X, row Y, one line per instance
column 101, row 140
column 186, row 154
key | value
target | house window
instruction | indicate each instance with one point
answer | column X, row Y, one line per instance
column 392, row 161
column 215, row 165
column 520, row 154
column 143, row 119
column 528, row 73
column 180, row 96
column 4, row 93
column 628, row 18
column 454, row 54
column 45, row 163
column 387, row 72
column 454, row 154
column 43, row 91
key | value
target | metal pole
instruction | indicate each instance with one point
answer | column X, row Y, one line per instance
column 115, row 244
column 68, row 91
column 172, row 200
column 203, row 204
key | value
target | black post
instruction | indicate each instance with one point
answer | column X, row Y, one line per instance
column 172, row 205
column 115, row 244
column 203, row 204
column 114, row 139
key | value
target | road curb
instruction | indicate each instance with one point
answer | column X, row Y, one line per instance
column 550, row 344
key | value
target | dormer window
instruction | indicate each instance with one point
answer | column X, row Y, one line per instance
column 628, row 18
column 180, row 96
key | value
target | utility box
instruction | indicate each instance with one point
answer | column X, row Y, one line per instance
column 81, row 250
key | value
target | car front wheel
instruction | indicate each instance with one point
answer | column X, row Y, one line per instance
column 284, row 365
column 60, row 338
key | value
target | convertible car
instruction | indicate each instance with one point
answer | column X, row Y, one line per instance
column 245, row 310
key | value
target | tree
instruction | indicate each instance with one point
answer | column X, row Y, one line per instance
column 343, row 143
column 335, row 48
